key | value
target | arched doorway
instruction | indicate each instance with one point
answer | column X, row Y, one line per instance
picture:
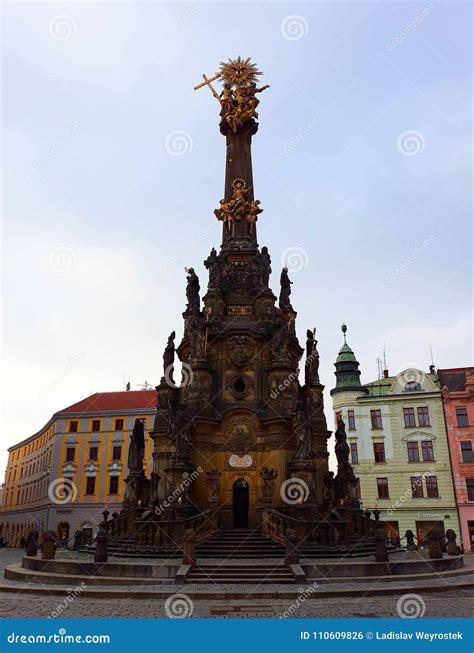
column 240, row 503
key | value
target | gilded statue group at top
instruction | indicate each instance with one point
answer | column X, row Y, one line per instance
column 238, row 98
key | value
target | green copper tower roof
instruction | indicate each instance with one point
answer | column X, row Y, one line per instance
column 347, row 369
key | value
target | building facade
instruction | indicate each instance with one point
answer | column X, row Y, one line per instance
column 66, row 474
column 457, row 386
column 399, row 447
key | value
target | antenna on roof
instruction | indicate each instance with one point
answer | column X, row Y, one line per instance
column 432, row 366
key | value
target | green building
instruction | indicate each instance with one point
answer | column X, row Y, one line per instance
column 399, row 447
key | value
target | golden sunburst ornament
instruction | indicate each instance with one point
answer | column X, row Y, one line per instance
column 238, row 72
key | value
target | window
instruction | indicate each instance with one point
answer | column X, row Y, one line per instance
column 416, row 487
column 351, row 420
column 470, row 488
column 376, row 418
column 432, row 486
column 90, row 485
column 73, row 427
column 409, row 416
column 413, row 452
column 113, row 485
column 354, row 454
column 466, row 452
column 427, row 450
column 423, row 416
column 70, row 454
column 119, row 424
column 379, row 452
column 382, row 488
column 117, row 453
column 96, row 425
column 412, row 386
column 93, row 453
column 461, row 416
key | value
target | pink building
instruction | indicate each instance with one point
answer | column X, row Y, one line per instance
column 458, row 396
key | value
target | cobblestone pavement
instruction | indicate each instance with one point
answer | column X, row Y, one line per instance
column 452, row 603
column 449, row 604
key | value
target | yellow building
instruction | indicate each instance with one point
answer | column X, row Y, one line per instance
column 399, row 447
column 64, row 476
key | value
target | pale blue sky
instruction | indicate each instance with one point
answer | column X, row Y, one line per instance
column 386, row 237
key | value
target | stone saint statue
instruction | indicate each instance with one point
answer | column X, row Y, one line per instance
column 136, row 449
column 168, row 357
column 192, row 289
column 215, row 274
column 302, row 432
column 264, row 267
column 178, row 431
column 285, row 291
column 268, row 476
column 312, row 357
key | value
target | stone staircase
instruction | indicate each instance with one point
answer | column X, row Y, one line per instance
column 253, row 574
column 240, row 543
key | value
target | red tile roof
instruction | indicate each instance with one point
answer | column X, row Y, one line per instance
column 105, row 401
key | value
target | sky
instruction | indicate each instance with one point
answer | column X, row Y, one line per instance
column 113, row 165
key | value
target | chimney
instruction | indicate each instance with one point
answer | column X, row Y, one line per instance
column 432, row 369
column 385, row 374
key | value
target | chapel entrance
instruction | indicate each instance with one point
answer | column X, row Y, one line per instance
column 240, row 503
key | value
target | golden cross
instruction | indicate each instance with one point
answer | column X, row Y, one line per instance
column 207, row 82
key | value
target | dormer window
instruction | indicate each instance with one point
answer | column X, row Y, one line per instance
column 412, row 386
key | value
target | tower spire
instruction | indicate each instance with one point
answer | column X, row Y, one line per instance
column 347, row 368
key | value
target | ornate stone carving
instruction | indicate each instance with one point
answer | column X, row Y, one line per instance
column 240, row 352
column 242, row 433
column 136, row 449
column 213, row 485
